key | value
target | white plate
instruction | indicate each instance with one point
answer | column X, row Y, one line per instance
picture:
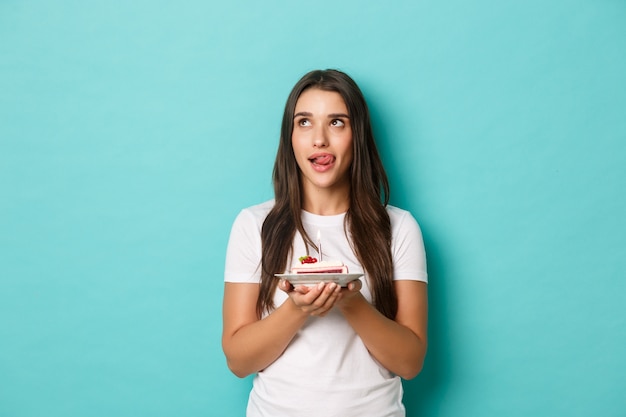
column 313, row 279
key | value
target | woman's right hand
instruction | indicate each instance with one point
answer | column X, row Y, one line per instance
column 316, row 300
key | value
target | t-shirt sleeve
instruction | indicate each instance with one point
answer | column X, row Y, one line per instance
column 409, row 255
column 243, row 253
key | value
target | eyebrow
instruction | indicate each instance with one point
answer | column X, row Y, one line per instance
column 330, row 116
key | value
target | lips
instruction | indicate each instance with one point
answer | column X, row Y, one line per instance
column 322, row 159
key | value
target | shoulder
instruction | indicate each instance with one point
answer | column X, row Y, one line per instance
column 396, row 211
column 398, row 216
column 255, row 214
column 249, row 222
column 407, row 246
column 403, row 223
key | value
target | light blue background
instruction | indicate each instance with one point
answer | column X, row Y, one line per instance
column 132, row 133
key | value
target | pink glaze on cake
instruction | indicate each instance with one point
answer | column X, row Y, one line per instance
column 323, row 267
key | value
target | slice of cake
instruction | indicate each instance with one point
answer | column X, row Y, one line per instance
column 310, row 265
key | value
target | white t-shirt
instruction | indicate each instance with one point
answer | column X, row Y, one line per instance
column 326, row 370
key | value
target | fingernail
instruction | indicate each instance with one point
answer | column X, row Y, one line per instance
column 320, row 286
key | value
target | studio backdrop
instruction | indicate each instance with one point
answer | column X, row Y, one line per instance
column 133, row 132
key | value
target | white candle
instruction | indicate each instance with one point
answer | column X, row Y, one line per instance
column 319, row 244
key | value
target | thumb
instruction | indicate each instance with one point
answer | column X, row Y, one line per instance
column 285, row 285
column 355, row 285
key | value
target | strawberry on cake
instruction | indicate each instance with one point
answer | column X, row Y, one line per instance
column 310, row 265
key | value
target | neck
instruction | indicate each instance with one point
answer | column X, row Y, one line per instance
column 326, row 202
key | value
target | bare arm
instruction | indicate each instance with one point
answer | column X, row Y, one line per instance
column 250, row 344
column 400, row 345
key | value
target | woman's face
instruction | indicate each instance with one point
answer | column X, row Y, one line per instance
column 322, row 140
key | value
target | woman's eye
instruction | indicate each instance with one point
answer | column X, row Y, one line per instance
column 304, row 122
column 337, row 123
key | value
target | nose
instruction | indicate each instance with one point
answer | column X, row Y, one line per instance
column 320, row 139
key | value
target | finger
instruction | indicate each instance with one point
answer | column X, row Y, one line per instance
column 312, row 293
column 304, row 296
column 302, row 289
column 285, row 285
column 355, row 285
column 327, row 299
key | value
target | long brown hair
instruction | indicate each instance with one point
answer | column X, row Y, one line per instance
column 366, row 221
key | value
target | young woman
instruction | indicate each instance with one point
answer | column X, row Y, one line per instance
column 325, row 350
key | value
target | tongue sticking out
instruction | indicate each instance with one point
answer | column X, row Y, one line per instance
column 323, row 160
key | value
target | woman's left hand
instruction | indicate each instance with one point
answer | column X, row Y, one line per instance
column 350, row 292
column 317, row 300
